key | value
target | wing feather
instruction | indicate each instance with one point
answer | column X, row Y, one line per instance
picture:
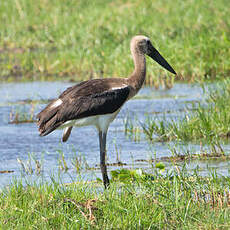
column 86, row 99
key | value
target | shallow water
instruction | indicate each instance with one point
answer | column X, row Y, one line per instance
column 22, row 140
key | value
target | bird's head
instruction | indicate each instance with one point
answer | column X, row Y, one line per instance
column 143, row 45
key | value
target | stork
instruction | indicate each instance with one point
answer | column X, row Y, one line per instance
column 98, row 101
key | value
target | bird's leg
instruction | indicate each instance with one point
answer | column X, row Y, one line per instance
column 102, row 140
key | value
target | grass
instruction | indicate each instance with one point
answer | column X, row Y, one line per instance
column 20, row 114
column 84, row 39
column 174, row 200
column 209, row 120
column 81, row 40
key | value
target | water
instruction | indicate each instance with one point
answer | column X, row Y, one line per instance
column 21, row 141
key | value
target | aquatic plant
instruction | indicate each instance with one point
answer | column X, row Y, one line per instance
column 131, row 129
column 19, row 114
column 31, row 165
column 130, row 175
column 62, row 164
column 77, row 161
column 209, row 120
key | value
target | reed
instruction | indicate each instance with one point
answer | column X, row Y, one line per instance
column 209, row 120
column 81, row 40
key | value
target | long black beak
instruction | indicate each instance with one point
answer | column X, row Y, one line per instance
column 155, row 55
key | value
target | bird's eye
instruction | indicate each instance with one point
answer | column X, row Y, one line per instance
column 148, row 42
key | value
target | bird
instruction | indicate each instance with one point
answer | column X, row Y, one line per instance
column 97, row 102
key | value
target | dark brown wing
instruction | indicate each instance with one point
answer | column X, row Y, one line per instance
column 90, row 98
column 92, row 87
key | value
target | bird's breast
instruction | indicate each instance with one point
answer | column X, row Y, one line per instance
column 101, row 122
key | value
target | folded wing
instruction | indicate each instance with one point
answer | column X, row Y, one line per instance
column 89, row 98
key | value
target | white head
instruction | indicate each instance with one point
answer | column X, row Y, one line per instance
column 141, row 45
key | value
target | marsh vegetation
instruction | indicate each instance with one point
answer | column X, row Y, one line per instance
column 169, row 165
column 206, row 120
column 171, row 200
column 55, row 39
column 148, row 190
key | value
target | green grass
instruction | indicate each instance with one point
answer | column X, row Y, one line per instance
column 84, row 39
column 20, row 114
column 209, row 120
column 175, row 200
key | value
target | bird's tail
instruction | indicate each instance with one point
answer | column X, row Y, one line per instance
column 48, row 119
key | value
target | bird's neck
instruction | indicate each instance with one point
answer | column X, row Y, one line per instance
column 137, row 78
